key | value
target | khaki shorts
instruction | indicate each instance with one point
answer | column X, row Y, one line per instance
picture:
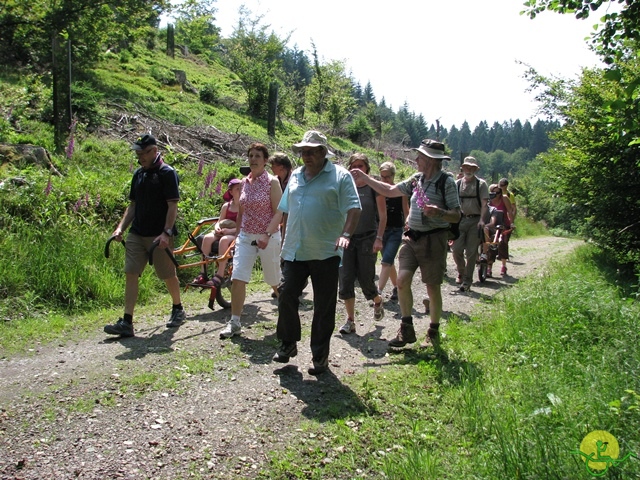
column 429, row 253
column 137, row 257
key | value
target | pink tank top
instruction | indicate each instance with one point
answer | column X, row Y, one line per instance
column 256, row 201
column 229, row 215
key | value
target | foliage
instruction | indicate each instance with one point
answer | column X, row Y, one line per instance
column 210, row 93
column 594, row 162
column 195, row 26
column 256, row 57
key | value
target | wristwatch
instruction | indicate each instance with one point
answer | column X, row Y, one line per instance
column 346, row 235
column 169, row 232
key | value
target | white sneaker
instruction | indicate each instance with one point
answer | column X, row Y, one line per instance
column 232, row 328
column 348, row 327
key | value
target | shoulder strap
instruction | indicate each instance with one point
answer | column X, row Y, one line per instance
column 478, row 193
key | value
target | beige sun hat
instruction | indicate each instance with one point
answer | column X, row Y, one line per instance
column 433, row 149
column 313, row 138
column 470, row 162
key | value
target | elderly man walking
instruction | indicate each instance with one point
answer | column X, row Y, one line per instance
column 474, row 197
column 321, row 210
column 434, row 204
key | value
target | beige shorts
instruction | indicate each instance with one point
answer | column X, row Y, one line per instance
column 429, row 253
column 137, row 257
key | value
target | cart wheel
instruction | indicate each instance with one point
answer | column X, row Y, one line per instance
column 482, row 271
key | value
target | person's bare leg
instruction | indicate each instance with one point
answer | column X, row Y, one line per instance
column 173, row 285
column 385, row 272
column 238, row 295
column 130, row 292
column 350, row 306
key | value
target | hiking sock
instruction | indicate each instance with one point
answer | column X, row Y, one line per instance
column 235, row 318
column 177, row 306
column 128, row 318
column 408, row 320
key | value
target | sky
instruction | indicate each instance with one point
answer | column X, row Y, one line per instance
column 451, row 60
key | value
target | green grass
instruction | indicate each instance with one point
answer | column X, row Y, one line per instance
column 517, row 390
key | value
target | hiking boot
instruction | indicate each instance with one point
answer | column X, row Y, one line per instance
column 378, row 311
column 394, row 295
column 285, row 352
column 432, row 339
column 406, row 334
column 503, row 271
column 348, row 327
column 232, row 328
column 121, row 328
column 177, row 318
column 319, row 367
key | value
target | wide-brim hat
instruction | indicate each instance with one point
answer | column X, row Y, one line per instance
column 432, row 149
column 143, row 142
column 313, row 139
column 227, row 195
column 470, row 162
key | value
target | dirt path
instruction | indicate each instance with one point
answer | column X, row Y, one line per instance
column 183, row 403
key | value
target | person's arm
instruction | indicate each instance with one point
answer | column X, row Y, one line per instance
column 223, row 215
column 380, row 187
column 381, row 204
column 405, row 206
column 483, row 211
column 507, row 204
column 239, row 220
column 127, row 218
column 169, row 222
column 274, row 224
column 350, row 224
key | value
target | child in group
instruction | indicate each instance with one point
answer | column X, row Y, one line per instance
column 223, row 233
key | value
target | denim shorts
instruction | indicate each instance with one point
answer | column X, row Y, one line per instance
column 391, row 241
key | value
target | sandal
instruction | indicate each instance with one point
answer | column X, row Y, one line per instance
column 200, row 280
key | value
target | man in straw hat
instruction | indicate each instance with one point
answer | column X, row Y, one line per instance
column 434, row 204
column 474, row 198
column 321, row 210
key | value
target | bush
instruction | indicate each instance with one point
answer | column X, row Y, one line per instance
column 210, row 93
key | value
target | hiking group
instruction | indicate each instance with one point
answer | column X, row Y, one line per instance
column 324, row 223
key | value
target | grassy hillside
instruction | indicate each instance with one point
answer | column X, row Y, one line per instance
column 56, row 225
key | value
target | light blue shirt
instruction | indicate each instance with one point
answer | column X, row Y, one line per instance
column 316, row 212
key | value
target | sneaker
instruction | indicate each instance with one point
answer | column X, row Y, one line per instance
column 503, row 271
column 178, row 317
column 285, row 352
column 378, row 311
column 348, row 327
column 406, row 334
column 233, row 328
column 319, row 367
column 200, row 280
column 120, row 328
column 394, row 295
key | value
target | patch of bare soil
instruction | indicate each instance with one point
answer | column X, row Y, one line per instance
column 73, row 410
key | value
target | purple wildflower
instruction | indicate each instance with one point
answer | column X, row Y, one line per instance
column 208, row 180
column 200, row 166
column 421, row 197
column 48, row 188
column 218, row 188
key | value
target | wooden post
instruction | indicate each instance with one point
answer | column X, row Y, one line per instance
column 273, row 108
